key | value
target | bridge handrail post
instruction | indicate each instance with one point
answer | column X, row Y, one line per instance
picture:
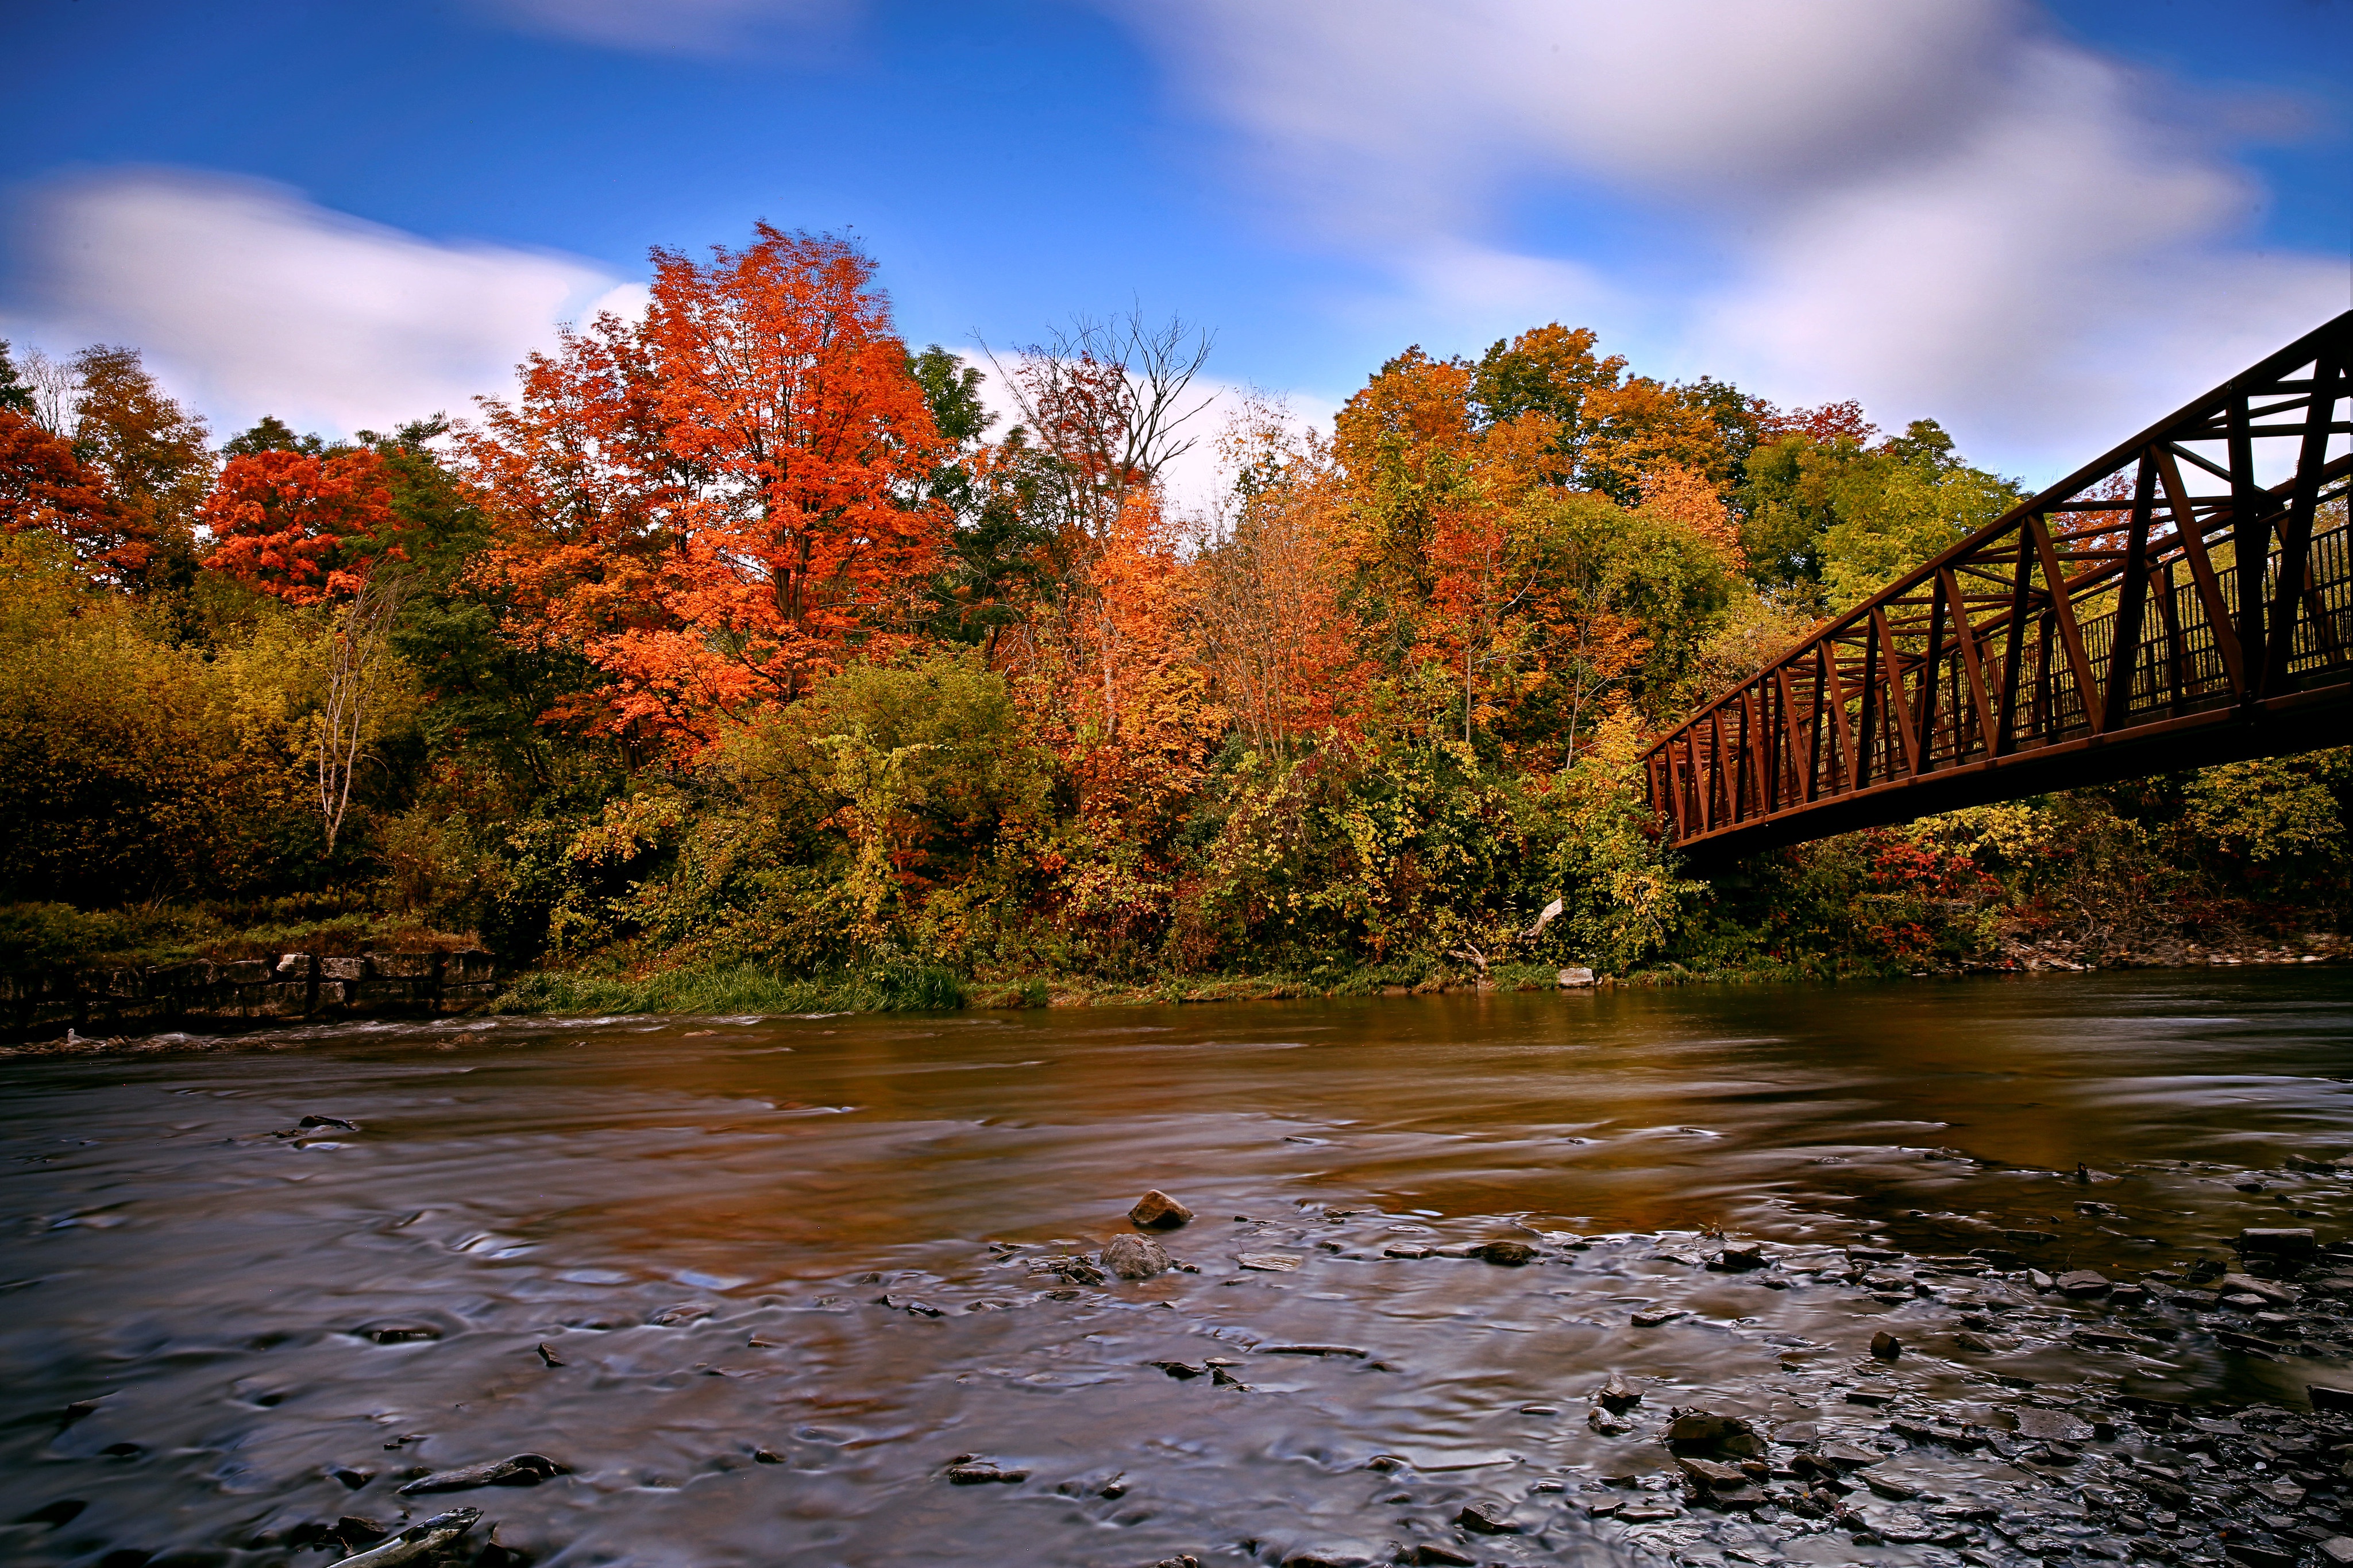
column 2295, row 538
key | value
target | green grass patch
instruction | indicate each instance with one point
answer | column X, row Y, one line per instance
column 45, row 936
column 740, row 989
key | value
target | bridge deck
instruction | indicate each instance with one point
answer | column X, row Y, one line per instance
column 2103, row 629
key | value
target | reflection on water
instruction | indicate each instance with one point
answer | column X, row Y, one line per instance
column 696, row 1218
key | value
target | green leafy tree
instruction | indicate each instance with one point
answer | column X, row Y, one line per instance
column 1829, row 521
column 14, row 395
column 271, row 433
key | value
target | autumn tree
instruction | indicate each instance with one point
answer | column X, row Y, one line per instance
column 1610, row 428
column 1269, row 577
column 97, row 453
column 300, row 526
column 724, row 502
column 1107, row 402
column 1495, row 576
column 44, row 486
column 151, row 456
column 1117, row 691
column 1405, row 443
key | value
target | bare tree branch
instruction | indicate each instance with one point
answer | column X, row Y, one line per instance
column 358, row 661
column 1108, row 398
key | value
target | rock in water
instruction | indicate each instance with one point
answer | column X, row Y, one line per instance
column 2041, row 1426
column 1075, row 1271
column 1487, row 1518
column 1575, row 978
column 1135, row 1257
column 1738, row 1257
column 419, row 1541
column 983, row 1473
column 2275, row 1243
column 1707, row 1428
column 1156, row 1210
column 1886, row 1346
column 1617, row 1395
column 521, row 1470
column 1510, row 1254
column 1724, row 1480
column 1268, row 1262
column 2082, row 1282
column 2269, row 1292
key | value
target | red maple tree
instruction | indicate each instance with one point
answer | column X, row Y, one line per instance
column 720, row 502
column 44, row 486
column 306, row 528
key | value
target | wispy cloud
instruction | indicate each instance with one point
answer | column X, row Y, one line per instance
column 252, row 299
column 1940, row 206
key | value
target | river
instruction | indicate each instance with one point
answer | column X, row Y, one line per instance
column 756, row 1285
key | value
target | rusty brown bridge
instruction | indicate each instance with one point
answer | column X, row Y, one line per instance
column 2185, row 599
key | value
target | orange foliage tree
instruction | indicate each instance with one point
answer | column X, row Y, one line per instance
column 1489, row 585
column 1120, row 693
column 1689, row 497
column 721, row 503
column 303, row 527
column 1116, row 688
column 1270, row 580
column 44, row 486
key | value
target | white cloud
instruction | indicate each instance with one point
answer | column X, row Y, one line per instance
column 2059, row 274
column 1426, row 109
column 251, row 301
column 1466, row 287
column 1938, row 206
column 669, row 27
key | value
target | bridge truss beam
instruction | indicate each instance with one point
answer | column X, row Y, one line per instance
column 2106, row 629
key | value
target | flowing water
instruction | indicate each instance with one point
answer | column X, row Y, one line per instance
column 698, row 1221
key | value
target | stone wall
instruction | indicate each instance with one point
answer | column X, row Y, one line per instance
column 206, row 994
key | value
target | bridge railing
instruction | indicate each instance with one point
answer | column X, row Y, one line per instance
column 2112, row 610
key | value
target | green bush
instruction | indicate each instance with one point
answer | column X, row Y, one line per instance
column 739, row 989
column 129, row 769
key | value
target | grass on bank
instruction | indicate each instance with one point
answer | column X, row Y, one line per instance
column 749, row 989
column 742, row 989
column 38, row 936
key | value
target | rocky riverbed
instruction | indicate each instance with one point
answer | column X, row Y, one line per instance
column 1922, row 1450
column 1909, row 1426
column 834, row 1291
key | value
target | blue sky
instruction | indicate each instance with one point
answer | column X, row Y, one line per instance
column 2043, row 225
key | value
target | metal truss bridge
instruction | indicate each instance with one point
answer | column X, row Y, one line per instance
column 2185, row 600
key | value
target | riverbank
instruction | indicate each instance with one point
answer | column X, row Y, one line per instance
column 109, row 1008
column 751, row 990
